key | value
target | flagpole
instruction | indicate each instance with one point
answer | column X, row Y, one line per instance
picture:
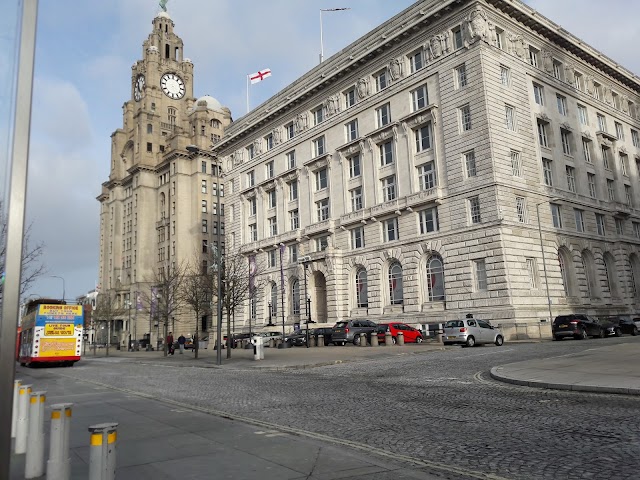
column 247, row 93
column 321, row 39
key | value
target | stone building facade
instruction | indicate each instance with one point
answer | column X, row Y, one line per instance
column 159, row 207
column 463, row 157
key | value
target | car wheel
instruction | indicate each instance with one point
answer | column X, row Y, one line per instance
column 583, row 334
column 602, row 333
column 634, row 332
column 356, row 340
column 557, row 338
column 418, row 339
column 499, row 341
column 471, row 342
column 618, row 332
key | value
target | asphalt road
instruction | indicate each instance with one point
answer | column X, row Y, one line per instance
column 439, row 408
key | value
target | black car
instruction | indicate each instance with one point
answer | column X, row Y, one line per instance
column 297, row 338
column 581, row 327
column 625, row 325
column 325, row 332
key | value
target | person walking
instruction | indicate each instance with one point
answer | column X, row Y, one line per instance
column 170, row 343
column 181, row 341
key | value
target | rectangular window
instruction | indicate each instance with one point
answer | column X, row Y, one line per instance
column 532, row 272
column 619, row 131
column 556, row 215
column 423, row 137
column 354, row 166
column 505, row 75
column 251, row 178
column 269, row 167
column 577, row 213
column 419, row 98
column 293, row 253
column 272, row 258
column 571, row 178
column 465, row 118
column 542, row 134
column 322, row 243
column 577, row 81
column 203, row 186
column 294, row 219
column 293, row 190
column 268, row 140
column 611, row 192
column 318, row 146
column 605, row 157
column 290, row 130
column 557, row 70
column 516, row 164
column 253, row 207
column 251, row 152
column 619, row 226
column 357, row 237
column 350, row 97
column 351, row 130
column 547, row 168
column 480, row 270
column 510, row 117
column 474, row 209
column 461, row 76
column 458, row 41
column 596, row 90
column 628, row 195
column 521, row 209
column 634, row 138
column 586, row 150
column 273, row 226
column 356, row 199
column 222, row 189
column 582, row 114
column 389, row 188
column 600, row 224
column 562, row 104
column 427, row 176
column 149, row 147
column 636, row 229
column 416, row 61
column 533, row 56
column 322, row 210
column 565, row 137
column 591, row 180
column 322, row 181
column 271, row 198
column 538, row 94
column 386, row 153
column 602, row 123
column 381, row 81
column 500, row 38
column 624, row 165
column 470, row 163
column 204, row 206
column 291, row 159
column 428, row 220
column 383, row 115
column 318, row 115
column 204, row 226
column 390, row 229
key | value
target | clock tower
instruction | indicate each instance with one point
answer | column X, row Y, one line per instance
column 159, row 207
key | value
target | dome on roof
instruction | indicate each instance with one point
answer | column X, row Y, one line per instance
column 163, row 15
column 210, row 102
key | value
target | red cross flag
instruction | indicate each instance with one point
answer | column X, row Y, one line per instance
column 259, row 76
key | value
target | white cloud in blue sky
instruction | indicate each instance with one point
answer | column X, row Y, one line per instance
column 83, row 72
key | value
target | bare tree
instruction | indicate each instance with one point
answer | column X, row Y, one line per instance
column 196, row 292
column 107, row 311
column 32, row 266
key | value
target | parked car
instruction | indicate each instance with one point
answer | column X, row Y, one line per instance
column 581, row 327
column 471, row 332
column 348, row 331
column 188, row 344
column 411, row 335
column 625, row 325
column 269, row 335
column 297, row 338
column 326, row 332
column 236, row 337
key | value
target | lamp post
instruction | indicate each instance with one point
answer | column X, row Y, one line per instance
column 321, row 42
column 61, row 278
column 270, row 324
column 544, row 262
column 128, row 304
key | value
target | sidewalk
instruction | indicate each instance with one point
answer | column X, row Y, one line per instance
column 274, row 358
column 612, row 369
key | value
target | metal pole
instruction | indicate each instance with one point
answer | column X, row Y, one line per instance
column 321, row 46
column 22, row 427
column 34, row 467
column 219, row 272
column 15, row 225
column 307, row 306
column 63, row 289
column 544, row 263
column 14, row 415
column 58, row 465
column 102, row 452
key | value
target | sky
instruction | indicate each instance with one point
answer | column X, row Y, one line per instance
column 84, row 54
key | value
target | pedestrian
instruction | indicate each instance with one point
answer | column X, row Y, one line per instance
column 170, row 343
column 181, row 341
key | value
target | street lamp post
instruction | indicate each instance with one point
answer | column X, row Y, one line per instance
column 544, row 262
column 63, row 289
column 270, row 324
column 321, row 39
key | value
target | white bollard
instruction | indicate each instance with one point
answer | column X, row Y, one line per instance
column 400, row 339
column 59, row 464
column 22, row 427
column 34, row 467
column 14, row 414
column 102, row 452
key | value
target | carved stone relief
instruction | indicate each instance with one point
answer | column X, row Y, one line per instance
column 569, row 73
column 476, row 27
column 362, row 88
column 257, row 146
column 332, row 105
column 518, row 46
column 237, row 157
column 547, row 62
column 277, row 136
column 566, row 126
column 608, row 94
column 589, row 85
column 436, row 47
column 301, row 122
column 395, row 69
column 624, row 103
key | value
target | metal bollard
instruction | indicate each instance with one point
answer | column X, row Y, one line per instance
column 59, row 464
column 363, row 340
column 374, row 339
column 388, row 339
column 102, row 452
column 272, row 343
column 312, row 340
column 34, row 467
column 400, row 339
column 14, row 414
column 320, row 341
column 22, row 426
column 439, row 337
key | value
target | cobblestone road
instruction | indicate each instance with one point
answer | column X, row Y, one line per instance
column 439, row 407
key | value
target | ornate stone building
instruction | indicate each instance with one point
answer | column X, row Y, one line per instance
column 466, row 156
column 159, row 207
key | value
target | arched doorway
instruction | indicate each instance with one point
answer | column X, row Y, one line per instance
column 318, row 295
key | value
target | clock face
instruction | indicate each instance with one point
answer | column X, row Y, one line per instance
column 138, row 88
column 172, row 86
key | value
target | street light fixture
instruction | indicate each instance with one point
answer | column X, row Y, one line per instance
column 321, row 43
column 63, row 289
column 270, row 324
column 544, row 262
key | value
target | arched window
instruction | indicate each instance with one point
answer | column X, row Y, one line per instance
column 274, row 299
column 435, row 279
column 563, row 273
column 362, row 295
column 588, row 265
column 567, row 272
column 395, row 284
column 610, row 272
column 635, row 274
column 295, row 297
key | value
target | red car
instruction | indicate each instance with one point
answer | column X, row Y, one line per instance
column 411, row 335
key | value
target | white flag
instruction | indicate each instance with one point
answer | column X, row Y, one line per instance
column 260, row 75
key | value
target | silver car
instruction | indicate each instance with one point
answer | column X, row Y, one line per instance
column 470, row 332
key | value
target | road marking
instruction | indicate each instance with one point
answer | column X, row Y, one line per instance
column 486, row 353
column 284, row 430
